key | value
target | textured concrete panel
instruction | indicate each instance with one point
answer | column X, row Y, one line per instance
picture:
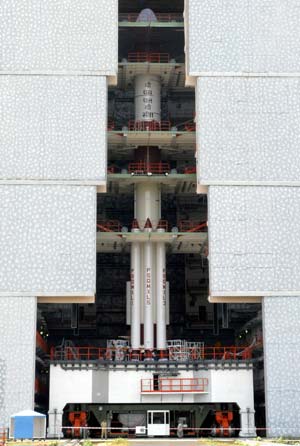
column 254, row 245
column 17, row 355
column 281, row 358
column 47, row 240
column 248, row 130
column 59, row 35
column 53, row 128
column 257, row 36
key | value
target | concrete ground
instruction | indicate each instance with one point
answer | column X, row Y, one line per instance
column 161, row 441
column 199, row 442
column 167, row 442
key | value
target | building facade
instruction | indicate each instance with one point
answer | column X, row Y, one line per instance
column 243, row 59
column 55, row 65
column 97, row 120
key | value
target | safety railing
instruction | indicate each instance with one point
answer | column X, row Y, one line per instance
column 116, row 226
column 163, row 224
column 142, row 168
column 190, row 170
column 127, row 354
column 228, row 353
column 192, row 226
column 159, row 16
column 141, row 57
column 156, row 224
column 109, row 226
column 174, row 385
column 149, row 126
column 190, row 127
column 110, row 125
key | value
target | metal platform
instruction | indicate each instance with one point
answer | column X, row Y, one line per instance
column 172, row 74
column 172, row 183
column 173, row 138
column 179, row 243
column 163, row 20
column 163, row 179
column 127, row 24
column 155, row 366
column 174, row 386
column 97, row 358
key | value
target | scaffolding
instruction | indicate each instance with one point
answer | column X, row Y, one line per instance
column 181, row 350
column 118, row 349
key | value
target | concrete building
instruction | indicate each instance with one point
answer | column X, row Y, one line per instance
column 243, row 59
column 149, row 183
column 55, row 65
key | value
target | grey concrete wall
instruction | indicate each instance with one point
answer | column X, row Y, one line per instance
column 59, row 36
column 17, row 355
column 282, row 375
column 248, row 130
column 48, row 240
column 254, row 245
column 53, row 128
column 248, row 56
column 242, row 36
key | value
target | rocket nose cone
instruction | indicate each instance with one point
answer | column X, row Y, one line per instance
column 148, row 224
column 161, row 225
column 135, row 227
column 135, row 224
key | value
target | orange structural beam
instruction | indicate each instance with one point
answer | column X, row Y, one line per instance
column 191, row 226
column 41, row 343
column 109, row 226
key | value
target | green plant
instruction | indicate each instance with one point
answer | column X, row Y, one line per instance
column 119, row 442
column 87, row 443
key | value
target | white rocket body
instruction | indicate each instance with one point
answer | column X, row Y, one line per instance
column 161, row 296
column 135, row 288
column 148, row 259
column 147, row 98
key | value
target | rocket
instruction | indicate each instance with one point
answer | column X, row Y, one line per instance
column 148, row 258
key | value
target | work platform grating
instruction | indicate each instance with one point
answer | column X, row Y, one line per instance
column 179, row 183
column 179, row 243
column 172, row 138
